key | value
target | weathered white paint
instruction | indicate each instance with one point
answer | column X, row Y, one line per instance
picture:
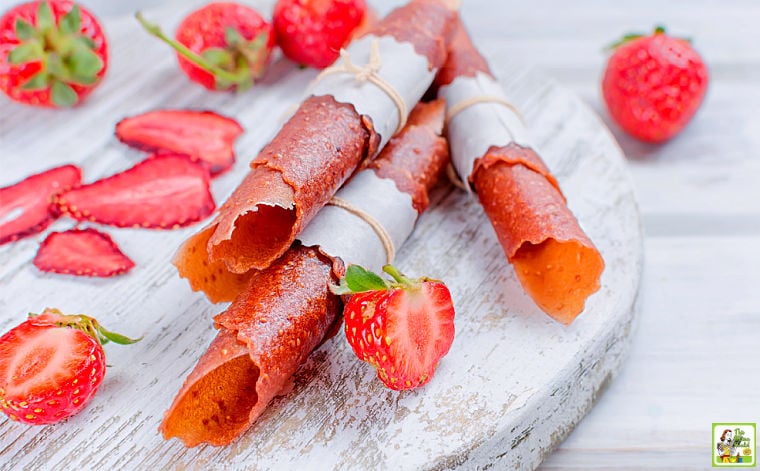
column 512, row 387
column 698, row 197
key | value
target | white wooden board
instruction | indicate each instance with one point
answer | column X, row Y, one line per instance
column 512, row 387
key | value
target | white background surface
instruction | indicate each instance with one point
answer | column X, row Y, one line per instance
column 694, row 358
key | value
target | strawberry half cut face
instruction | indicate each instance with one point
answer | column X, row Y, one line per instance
column 48, row 373
column 401, row 327
column 419, row 330
column 51, row 365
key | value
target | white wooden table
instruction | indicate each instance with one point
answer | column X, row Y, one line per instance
column 693, row 359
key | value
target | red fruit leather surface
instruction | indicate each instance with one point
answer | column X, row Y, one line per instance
column 556, row 263
column 33, row 197
column 82, row 252
column 268, row 331
column 423, row 23
column 413, row 159
column 285, row 311
column 291, row 179
column 462, row 58
column 204, row 136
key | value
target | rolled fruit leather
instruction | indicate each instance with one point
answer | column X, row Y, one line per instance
column 347, row 118
column 287, row 310
column 554, row 260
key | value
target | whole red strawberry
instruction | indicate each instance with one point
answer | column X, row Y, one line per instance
column 401, row 327
column 222, row 45
column 653, row 85
column 52, row 53
column 312, row 32
column 51, row 365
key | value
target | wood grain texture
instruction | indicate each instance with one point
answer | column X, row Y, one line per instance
column 513, row 386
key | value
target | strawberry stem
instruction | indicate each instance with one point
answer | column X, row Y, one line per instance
column 86, row 324
column 397, row 275
column 241, row 78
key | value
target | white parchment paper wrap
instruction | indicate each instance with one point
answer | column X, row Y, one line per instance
column 476, row 128
column 401, row 67
column 343, row 234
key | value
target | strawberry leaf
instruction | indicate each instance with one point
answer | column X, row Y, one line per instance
column 219, row 57
column 255, row 54
column 56, row 67
column 107, row 335
column 85, row 65
column 37, row 82
column 24, row 29
column 233, row 37
column 84, row 41
column 71, row 21
column 26, row 52
column 62, row 94
column 359, row 280
column 45, row 18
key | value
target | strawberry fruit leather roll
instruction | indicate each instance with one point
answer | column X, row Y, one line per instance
column 298, row 172
column 556, row 263
column 287, row 310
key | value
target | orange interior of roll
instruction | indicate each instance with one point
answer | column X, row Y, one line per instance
column 559, row 275
column 256, row 224
column 216, row 408
column 211, row 277
column 258, row 235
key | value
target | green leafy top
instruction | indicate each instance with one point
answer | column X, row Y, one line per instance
column 659, row 29
column 67, row 57
column 360, row 280
column 86, row 324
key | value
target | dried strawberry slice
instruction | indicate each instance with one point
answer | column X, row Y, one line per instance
column 83, row 252
column 25, row 207
column 203, row 135
column 162, row 192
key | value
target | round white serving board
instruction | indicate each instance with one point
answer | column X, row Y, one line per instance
column 512, row 387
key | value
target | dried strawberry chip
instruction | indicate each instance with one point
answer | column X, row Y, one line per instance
column 25, row 207
column 162, row 192
column 205, row 136
column 83, row 252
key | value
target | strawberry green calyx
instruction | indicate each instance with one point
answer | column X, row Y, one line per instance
column 67, row 57
column 86, row 324
column 236, row 65
column 659, row 29
column 360, row 280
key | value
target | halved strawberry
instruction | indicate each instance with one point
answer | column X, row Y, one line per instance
column 51, row 365
column 401, row 327
column 25, row 207
column 205, row 136
column 83, row 252
column 161, row 192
